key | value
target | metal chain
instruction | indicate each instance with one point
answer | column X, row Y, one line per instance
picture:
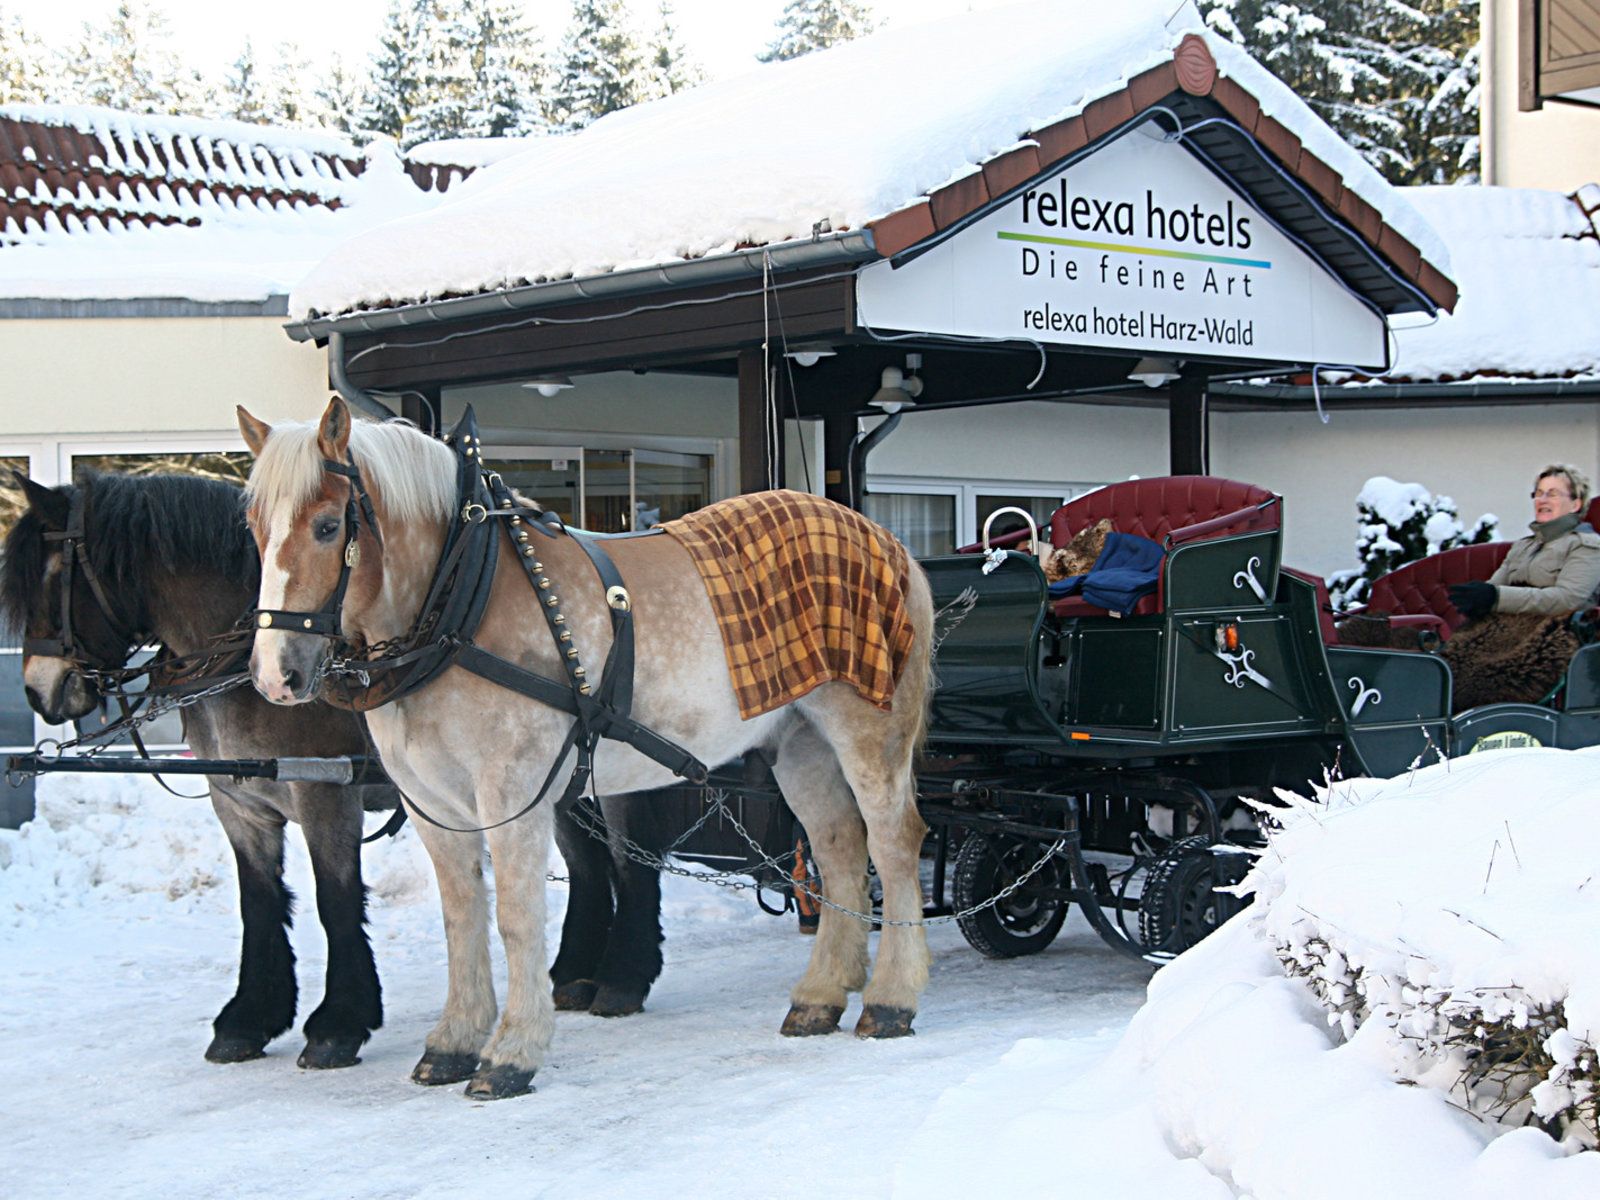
column 717, row 798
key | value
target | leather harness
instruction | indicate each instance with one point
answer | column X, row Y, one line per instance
column 454, row 606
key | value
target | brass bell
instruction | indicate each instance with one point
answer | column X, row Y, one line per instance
column 543, row 584
column 552, row 601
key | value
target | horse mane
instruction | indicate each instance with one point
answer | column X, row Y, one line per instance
column 412, row 473
column 137, row 525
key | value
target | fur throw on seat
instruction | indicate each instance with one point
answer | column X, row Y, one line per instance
column 1079, row 554
column 1508, row 657
column 1375, row 629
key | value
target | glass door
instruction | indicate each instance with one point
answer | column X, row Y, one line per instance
column 607, row 491
column 550, row 476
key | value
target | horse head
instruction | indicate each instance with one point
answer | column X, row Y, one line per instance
column 49, row 597
column 331, row 503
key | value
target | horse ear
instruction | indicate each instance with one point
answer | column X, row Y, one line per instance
column 52, row 507
column 333, row 436
column 255, row 432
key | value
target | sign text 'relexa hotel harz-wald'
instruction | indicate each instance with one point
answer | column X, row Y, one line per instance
column 1138, row 247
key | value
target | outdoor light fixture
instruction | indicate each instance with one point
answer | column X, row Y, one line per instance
column 898, row 390
column 810, row 354
column 549, row 385
column 1154, row 372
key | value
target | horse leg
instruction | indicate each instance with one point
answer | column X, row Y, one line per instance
column 808, row 773
column 450, row 1053
column 587, row 924
column 520, row 852
column 352, row 1003
column 874, row 752
column 632, row 959
column 264, row 1004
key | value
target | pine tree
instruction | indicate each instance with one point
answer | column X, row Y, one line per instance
column 1398, row 79
column 287, row 102
column 397, row 68
column 1396, row 524
column 130, row 65
column 24, row 77
column 600, row 67
column 507, row 71
column 340, row 98
column 807, row 25
column 669, row 66
column 242, row 96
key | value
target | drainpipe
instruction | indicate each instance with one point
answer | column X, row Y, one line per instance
column 861, row 446
column 353, row 395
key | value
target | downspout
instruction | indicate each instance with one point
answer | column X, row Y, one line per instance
column 861, row 446
column 353, row 395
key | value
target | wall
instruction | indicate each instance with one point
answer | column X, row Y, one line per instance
column 1484, row 458
column 1557, row 147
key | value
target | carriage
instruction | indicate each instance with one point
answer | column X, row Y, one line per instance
column 1122, row 758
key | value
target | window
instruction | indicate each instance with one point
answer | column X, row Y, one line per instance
column 935, row 517
column 227, row 465
column 607, row 490
column 925, row 523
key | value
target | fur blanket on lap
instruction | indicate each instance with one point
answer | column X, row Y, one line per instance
column 1507, row 657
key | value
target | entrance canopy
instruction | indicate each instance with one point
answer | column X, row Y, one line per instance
column 1032, row 199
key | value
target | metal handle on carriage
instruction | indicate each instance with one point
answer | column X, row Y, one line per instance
column 1033, row 527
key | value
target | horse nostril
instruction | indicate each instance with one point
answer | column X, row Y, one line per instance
column 292, row 680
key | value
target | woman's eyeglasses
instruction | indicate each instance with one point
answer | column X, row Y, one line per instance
column 1550, row 494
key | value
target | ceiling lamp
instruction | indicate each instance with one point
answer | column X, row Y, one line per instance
column 810, row 354
column 897, row 390
column 1154, row 372
column 549, row 385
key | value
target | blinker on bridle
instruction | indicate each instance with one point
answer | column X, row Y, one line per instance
column 75, row 557
column 325, row 622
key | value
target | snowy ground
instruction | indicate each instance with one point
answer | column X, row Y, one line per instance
column 1050, row 1075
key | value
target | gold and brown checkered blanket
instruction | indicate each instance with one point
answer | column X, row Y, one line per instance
column 805, row 591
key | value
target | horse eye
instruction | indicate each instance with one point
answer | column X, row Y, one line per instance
column 325, row 529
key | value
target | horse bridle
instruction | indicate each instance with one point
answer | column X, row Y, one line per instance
column 325, row 621
column 73, row 543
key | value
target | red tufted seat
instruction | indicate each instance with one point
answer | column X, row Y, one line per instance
column 1421, row 589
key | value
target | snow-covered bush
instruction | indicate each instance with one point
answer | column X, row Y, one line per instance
column 1398, row 523
column 1451, row 918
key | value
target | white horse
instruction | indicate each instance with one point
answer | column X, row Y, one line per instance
column 470, row 753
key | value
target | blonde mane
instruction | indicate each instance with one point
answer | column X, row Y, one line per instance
column 411, row 475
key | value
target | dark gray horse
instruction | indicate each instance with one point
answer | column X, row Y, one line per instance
column 176, row 562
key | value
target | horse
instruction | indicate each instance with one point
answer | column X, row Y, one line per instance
column 169, row 558
column 352, row 517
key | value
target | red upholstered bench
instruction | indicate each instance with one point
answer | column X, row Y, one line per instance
column 1171, row 509
column 1419, row 593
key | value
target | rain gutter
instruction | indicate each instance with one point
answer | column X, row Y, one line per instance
column 820, row 251
column 1510, row 391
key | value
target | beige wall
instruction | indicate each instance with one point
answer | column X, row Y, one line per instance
column 1557, row 147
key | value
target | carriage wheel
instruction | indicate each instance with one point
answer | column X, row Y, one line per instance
column 1026, row 921
column 1178, row 906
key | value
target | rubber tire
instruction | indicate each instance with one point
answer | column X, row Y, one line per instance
column 1176, row 909
column 1023, row 924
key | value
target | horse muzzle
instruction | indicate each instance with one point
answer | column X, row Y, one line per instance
column 286, row 667
column 56, row 691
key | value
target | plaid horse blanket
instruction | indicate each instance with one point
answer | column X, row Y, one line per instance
column 805, row 591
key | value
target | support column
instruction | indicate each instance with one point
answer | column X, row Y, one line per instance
column 1188, row 427
column 838, row 431
column 760, row 435
column 424, row 408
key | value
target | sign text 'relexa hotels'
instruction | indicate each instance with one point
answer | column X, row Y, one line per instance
column 1138, row 247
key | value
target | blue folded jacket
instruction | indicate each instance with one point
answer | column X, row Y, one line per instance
column 1128, row 569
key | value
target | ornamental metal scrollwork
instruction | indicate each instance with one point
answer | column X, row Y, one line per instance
column 1363, row 694
column 1247, row 578
column 1239, row 668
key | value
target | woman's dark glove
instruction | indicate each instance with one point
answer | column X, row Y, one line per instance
column 1473, row 600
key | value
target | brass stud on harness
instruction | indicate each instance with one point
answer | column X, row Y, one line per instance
column 308, row 622
column 506, row 503
column 583, row 689
column 515, row 520
column 264, row 621
column 572, row 652
column 521, row 535
column 558, row 619
column 544, row 584
column 536, row 565
column 527, row 552
column 552, row 601
column 564, row 636
column 579, row 672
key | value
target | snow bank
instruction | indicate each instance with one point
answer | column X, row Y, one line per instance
column 1236, row 1078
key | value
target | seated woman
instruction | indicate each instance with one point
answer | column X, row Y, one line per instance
column 1517, row 643
column 1556, row 569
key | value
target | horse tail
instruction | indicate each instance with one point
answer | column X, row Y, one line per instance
column 917, row 679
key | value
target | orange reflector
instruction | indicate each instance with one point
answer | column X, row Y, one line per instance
column 1231, row 636
column 1079, row 737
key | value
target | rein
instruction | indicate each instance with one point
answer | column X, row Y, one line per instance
column 457, row 597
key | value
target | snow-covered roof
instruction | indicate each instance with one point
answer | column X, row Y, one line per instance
column 97, row 204
column 1528, row 264
column 860, row 136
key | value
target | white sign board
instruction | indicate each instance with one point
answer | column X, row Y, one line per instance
column 1138, row 247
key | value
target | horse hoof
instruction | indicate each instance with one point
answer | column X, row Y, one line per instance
column 882, row 1021
column 500, row 1083
column 231, row 1048
column 436, row 1068
column 327, row 1054
column 809, row 1020
column 576, row 995
column 617, row 1002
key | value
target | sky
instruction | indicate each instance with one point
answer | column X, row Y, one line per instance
column 724, row 34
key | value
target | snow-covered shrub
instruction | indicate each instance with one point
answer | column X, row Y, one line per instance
column 1398, row 523
column 1449, row 921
